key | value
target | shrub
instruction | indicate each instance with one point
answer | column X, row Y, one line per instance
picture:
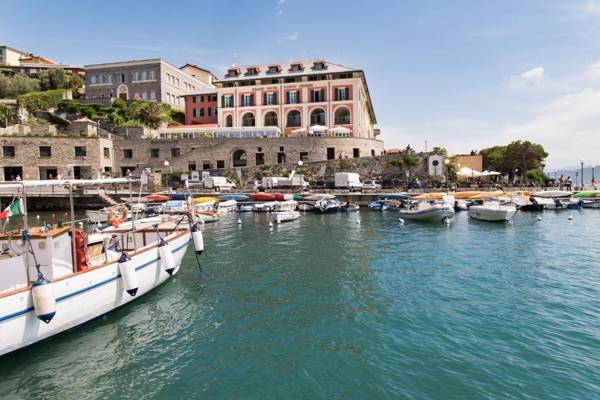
column 537, row 176
column 41, row 101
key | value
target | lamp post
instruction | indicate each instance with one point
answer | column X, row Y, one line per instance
column 581, row 162
column 167, row 164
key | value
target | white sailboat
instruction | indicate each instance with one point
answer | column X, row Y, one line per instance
column 57, row 277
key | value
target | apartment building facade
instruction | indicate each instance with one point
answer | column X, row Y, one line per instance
column 154, row 80
column 314, row 98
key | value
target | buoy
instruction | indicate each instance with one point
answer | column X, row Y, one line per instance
column 539, row 218
column 167, row 261
column 570, row 217
column 127, row 269
column 197, row 239
column 401, row 220
column 271, row 224
column 44, row 302
column 239, row 221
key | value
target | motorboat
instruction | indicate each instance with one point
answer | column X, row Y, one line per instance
column 287, row 205
column 349, row 207
column 552, row 203
column 427, row 211
column 379, row 205
column 245, row 207
column 306, row 207
column 207, row 216
column 266, row 206
column 526, row 203
column 493, row 211
column 591, row 203
column 226, row 207
column 284, row 216
column 56, row 277
column 326, row 206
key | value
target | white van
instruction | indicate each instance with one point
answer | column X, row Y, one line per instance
column 348, row 180
column 218, row 183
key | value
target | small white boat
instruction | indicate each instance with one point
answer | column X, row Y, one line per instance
column 326, row 206
column 226, row 207
column 288, row 205
column 592, row 203
column 552, row 203
column 284, row 216
column 493, row 211
column 207, row 216
column 245, row 207
column 265, row 207
column 424, row 211
column 305, row 207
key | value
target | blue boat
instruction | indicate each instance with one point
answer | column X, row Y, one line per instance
column 179, row 196
column 236, row 197
column 378, row 206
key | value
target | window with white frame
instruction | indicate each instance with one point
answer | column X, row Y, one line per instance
column 247, row 100
column 271, row 99
column 227, row 101
column 342, row 94
column 93, row 79
column 293, row 97
column 144, row 76
column 152, row 95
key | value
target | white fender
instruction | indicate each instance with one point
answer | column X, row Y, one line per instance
column 198, row 239
column 167, row 261
column 44, row 301
column 128, row 274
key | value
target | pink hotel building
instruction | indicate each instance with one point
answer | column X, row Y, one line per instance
column 304, row 98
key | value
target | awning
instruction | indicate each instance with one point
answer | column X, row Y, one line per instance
column 467, row 172
column 339, row 129
column 317, row 128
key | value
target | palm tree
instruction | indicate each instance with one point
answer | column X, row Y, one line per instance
column 8, row 116
column 148, row 113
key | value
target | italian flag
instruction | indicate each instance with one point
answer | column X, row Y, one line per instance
column 15, row 208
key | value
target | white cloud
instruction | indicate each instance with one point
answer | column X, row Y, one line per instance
column 289, row 38
column 279, row 7
column 533, row 77
column 567, row 127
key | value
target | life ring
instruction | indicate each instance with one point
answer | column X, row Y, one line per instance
column 119, row 210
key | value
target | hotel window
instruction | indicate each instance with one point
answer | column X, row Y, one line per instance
column 304, row 156
column 177, row 81
column 80, row 151
column 296, row 67
column 152, row 74
column 317, row 95
column 213, row 97
column 154, row 153
column 280, row 158
column 199, row 112
column 106, row 151
column 271, row 98
column 227, row 101
column 201, row 99
column 136, row 96
column 342, row 94
column 252, row 71
column 220, row 163
column 260, row 158
column 136, row 76
column 191, row 165
column 175, row 152
column 273, row 69
column 127, row 153
column 145, row 95
column 45, row 151
column 293, row 97
column 247, row 100
column 152, row 95
column 121, row 78
column 294, row 119
column 8, row 151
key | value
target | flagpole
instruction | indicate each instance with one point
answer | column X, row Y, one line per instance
column 73, row 240
column 25, row 224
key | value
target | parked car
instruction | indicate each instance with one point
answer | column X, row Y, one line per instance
column 371, row 186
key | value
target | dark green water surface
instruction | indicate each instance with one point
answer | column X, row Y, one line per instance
column 327, row 308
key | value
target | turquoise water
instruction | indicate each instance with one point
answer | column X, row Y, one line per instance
column 328, row 308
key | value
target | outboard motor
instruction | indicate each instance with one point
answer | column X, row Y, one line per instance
column 44, row 302
column 128, row 274
column 167, row 261
column 197, row 238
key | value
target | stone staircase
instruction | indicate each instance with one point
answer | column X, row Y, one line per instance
column 107, row 199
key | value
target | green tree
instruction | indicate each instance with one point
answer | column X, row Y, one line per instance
column 451, row 172
column 13, row 86
column 440, row 150
column 8, row 116
column 53, row 78
column 149, row 113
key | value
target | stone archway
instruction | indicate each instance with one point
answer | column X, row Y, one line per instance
column 239, row 158
column 123, row 92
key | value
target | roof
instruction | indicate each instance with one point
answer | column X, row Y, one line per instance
column 197, row 67
column 17, row 50
column 85, row 119
column 263, row 70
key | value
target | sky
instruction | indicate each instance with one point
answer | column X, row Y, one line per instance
column 463, row 75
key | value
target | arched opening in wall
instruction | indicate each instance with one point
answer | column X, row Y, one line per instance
column 229, row 121
column 342, row 116
column 239, row 158
column 317, row 117
column 248, row 119
column 294, row 119
column 271, row 119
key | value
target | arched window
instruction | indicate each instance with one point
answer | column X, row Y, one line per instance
column 239, row 158
column 294, row 119
column 342, row 116
column 229, row 121
column 248, row 119
column 271, row 119
column 317, row 117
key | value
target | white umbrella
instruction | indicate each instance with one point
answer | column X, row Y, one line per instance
column 299, row 131
column 340, row 129
column 467, row 172
column 317, row 128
